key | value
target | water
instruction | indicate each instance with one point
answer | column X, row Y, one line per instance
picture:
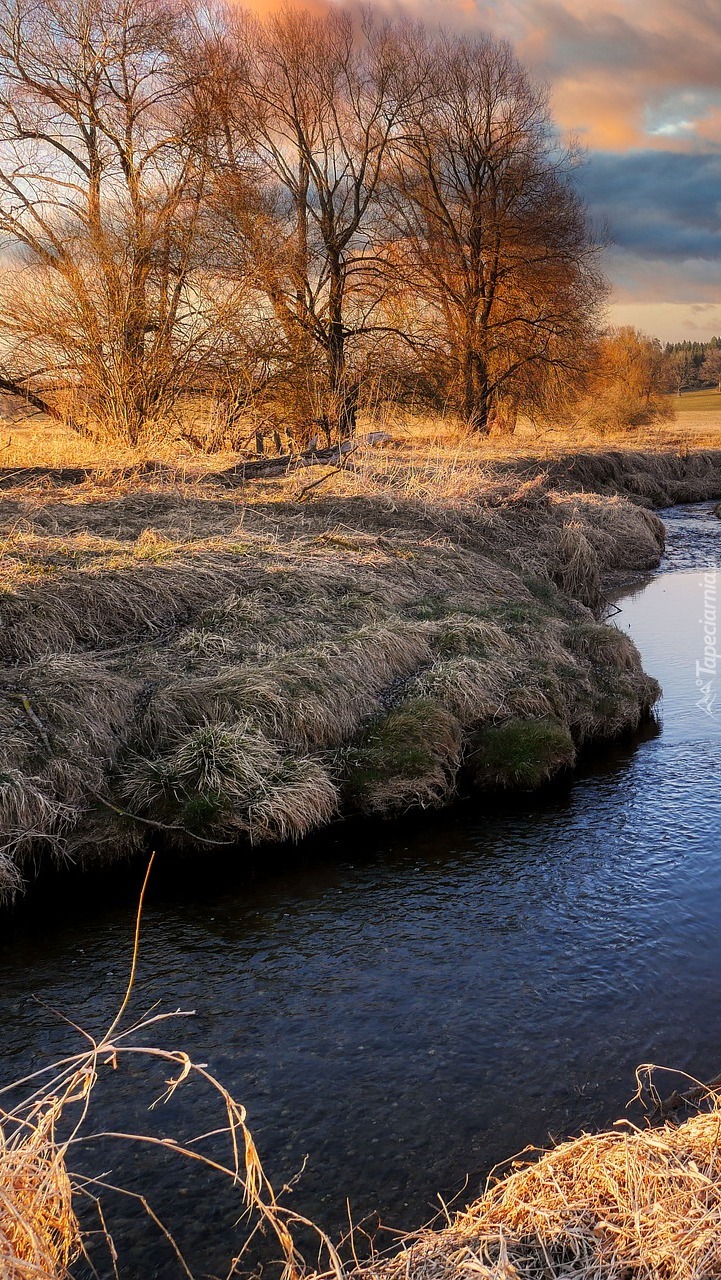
column 412, row 1004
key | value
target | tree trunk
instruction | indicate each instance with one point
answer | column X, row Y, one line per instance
column 341, row 409
column 477, row 394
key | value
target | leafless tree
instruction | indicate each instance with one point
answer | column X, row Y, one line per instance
column 305, row 111
column 192, row 198
column 102, row 184
column 500, row 262
column 680, row 370
column 711, row 367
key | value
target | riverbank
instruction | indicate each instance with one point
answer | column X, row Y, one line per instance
column 643, row 1204
column 195, row 663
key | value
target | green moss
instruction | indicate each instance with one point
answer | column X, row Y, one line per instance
column 429, row 608
column 200, row 812
column 544, row 591
column 404, row 744
column 521, row 753
column 519, row 614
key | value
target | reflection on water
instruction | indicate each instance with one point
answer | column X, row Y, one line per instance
column 415, row 1004
column 672, row 617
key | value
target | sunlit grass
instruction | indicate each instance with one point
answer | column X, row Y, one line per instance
column 707, row 401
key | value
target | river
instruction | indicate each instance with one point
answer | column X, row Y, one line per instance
column 407, row 1005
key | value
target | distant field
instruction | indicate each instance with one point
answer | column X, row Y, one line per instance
column 698, row 418
column 698, row 402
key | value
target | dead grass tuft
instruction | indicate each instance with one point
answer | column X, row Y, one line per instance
column 229, row 780
column 39, row 1232
column 637, row 1204
column 577, row 570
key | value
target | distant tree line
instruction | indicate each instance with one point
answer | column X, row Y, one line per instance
column 303, row 211
column 694, row 364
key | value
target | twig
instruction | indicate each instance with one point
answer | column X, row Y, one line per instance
column 136, row 947
column 676, row 1100
column 34, row 719
column 152, row 822
column 307, row 488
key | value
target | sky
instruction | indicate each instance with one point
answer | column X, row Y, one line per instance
column 638, row 82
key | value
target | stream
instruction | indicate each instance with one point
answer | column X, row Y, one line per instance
column 402, row 1007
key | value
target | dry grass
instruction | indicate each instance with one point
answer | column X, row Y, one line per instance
column 204, row 664
column 40, row 1233
column 628, row 1204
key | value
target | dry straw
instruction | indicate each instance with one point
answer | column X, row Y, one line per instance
column 627, row 1204
column 40, row 1235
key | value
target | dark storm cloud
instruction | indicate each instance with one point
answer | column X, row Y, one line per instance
column 664, row 205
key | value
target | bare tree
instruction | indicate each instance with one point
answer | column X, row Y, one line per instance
column 500, row 262
column 711, row 367
column 680, row 370
column 101, row 195
column 305, row 111
column 199, row 200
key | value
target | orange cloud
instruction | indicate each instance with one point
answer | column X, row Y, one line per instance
column 581, row 106
column 622, row 73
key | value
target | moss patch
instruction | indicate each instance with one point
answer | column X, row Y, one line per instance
column 406, row 757
column 521, row 753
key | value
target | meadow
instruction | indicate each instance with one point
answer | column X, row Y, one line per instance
column 200, row 659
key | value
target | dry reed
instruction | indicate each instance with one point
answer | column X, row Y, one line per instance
column 40, row 1232
column 628, row 1204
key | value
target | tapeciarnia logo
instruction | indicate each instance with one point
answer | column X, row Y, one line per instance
column 707, row 669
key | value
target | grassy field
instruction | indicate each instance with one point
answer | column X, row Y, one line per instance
column 197, row 663
column 697, row 418
column 707, row 402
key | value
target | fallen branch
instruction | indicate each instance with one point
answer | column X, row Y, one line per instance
column 42, row 405
column 152, row 822
column 314, row 483
column 34, row 719
column 286, row 463
column 676, row 1100
column 11, row 476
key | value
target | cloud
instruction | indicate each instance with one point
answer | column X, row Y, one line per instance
column 630, row 74
column 623, row 73
column 657, row 204
column 670, row 321
column 638, row 82
column 664, row 221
